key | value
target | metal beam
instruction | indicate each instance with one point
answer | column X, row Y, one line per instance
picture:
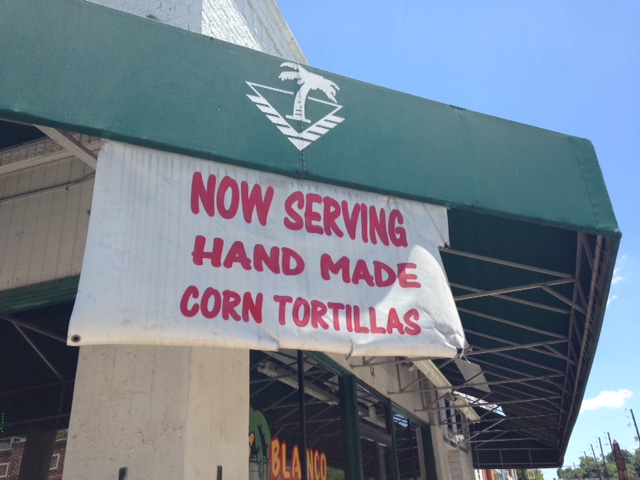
column 514, row 289
column 69, row 143
column 33, row 328
column 521, row 301
column 40, row 354
column 511, row 323
column 515, row 346
column 506, row 263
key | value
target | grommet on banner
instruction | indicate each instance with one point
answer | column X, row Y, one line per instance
column 75, row 338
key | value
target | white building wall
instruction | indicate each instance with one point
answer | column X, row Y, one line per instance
column 460, row 464
column 45, row 204
column 256, row 24
column 184, row 14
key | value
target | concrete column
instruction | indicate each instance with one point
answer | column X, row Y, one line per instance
column 159, row 412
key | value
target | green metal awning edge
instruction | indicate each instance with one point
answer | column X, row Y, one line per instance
column 439, row 151
column 459, row 160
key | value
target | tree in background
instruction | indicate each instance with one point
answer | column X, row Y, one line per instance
column 587, row 468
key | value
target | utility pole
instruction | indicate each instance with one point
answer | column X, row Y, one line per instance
column 586, row 459
column 610, row 444
column 596, row 461
column 606, row 470
column 635, row 425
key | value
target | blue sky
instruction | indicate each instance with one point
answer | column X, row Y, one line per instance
column 572, row 67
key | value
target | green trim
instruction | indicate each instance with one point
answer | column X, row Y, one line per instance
column 353, row 468
column 411, row 416
column 392, row 431
column 429, row 453
column 329, row 363
column 453, row 444
column 39, row 295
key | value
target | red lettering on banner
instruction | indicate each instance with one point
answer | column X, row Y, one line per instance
column 231, row 300
column 351, row 219
column 378, row 226
column 316, row 314
column 294, row 220
column 370, row 223
column 214, row 256
column 237, row 254
column 203, row 195
column 327, row 267
column 213, row 303
column 229, row 196
column 405, row 278
column 279, row 261
column 410, row 318
column 318, row 310
column 361, row 272
column 381, row 270
column 393, row 322
column 292, row 263
column 311, row 217
column 255, row 201
column 262, row 258
column 383, row 274
column 190, row 293
column 282, row 304
column 356, row 321
column 301, row 312
column 228, row 204
column 398, row 233
column 372, row 320
column 349, row 318
column 335, row 311
column 331, row 214
column 211, row 293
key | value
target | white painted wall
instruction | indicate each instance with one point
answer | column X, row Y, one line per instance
column 45, row 203
column 256, row 24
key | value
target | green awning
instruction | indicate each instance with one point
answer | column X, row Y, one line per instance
column 533, row 233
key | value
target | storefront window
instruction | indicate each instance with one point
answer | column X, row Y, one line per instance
column 408, row 447
column 278, row 436
column 377, row 442
column 327, row 418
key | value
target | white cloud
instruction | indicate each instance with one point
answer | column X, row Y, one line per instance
column 616, row 279
column 611, row 299
column 607, row 400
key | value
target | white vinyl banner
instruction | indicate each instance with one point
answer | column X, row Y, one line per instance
column 183, row 251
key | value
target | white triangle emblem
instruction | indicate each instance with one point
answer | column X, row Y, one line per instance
column 324, row 112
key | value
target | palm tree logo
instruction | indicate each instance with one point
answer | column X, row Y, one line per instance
column 303, row 132
column 307, row 81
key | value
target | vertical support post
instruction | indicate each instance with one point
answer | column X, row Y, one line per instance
column 635, row 425
column 302, row 415
column 595, row 459
column 353, row 468
column 36, row 457
column 606, row 470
